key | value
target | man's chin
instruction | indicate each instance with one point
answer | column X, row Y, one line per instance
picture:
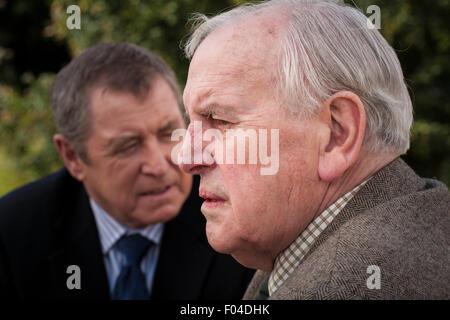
column 146, row 217
column 217, row 241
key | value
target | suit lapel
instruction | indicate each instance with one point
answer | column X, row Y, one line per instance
column 185, row 256
column 255, row 285
column 77, row 243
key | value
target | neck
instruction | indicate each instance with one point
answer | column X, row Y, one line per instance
column 365, row 167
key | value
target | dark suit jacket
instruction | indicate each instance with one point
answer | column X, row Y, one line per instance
column 398, row 222
column 48, row 225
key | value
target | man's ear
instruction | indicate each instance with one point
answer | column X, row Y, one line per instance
column 69, row 156
column 345, row 117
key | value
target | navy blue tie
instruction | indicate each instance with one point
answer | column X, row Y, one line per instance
column 131, row 284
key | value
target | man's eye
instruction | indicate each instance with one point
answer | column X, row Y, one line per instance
column 165, row 135
column 221, row 123
column 128, row 147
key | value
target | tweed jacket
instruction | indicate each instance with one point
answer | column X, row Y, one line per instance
column 399, row 223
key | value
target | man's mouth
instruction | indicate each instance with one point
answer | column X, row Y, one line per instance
column 156, row 191
column 211, row 199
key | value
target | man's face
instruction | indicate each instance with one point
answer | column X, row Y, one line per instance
column 231, row 84
column 129, row 172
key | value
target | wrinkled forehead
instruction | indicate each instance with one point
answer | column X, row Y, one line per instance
column 247, row 43
column 239, row 56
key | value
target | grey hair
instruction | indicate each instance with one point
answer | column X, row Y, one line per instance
column 120, row 67
column 328, row 47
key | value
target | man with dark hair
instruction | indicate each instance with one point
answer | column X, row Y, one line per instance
column 121, row 220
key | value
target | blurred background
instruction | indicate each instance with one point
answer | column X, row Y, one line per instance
column 35, row 44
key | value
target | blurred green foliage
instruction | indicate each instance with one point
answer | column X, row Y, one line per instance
column 417, row 29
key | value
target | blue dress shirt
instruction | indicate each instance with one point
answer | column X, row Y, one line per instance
column 110, row 231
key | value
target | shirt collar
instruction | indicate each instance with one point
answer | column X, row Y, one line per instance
column 290, row 258
column 111, row 230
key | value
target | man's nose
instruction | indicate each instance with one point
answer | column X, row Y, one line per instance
column 191, row 158
column 154, row 161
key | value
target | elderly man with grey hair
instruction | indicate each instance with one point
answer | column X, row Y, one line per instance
column 343, row 217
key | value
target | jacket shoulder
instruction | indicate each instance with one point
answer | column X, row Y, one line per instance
column 32, row 201
column 405, row 239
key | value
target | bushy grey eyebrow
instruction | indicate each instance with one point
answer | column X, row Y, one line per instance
column 216, row 110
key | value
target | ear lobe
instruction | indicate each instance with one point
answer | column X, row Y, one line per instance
column 346, row 119
column 69, row 156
